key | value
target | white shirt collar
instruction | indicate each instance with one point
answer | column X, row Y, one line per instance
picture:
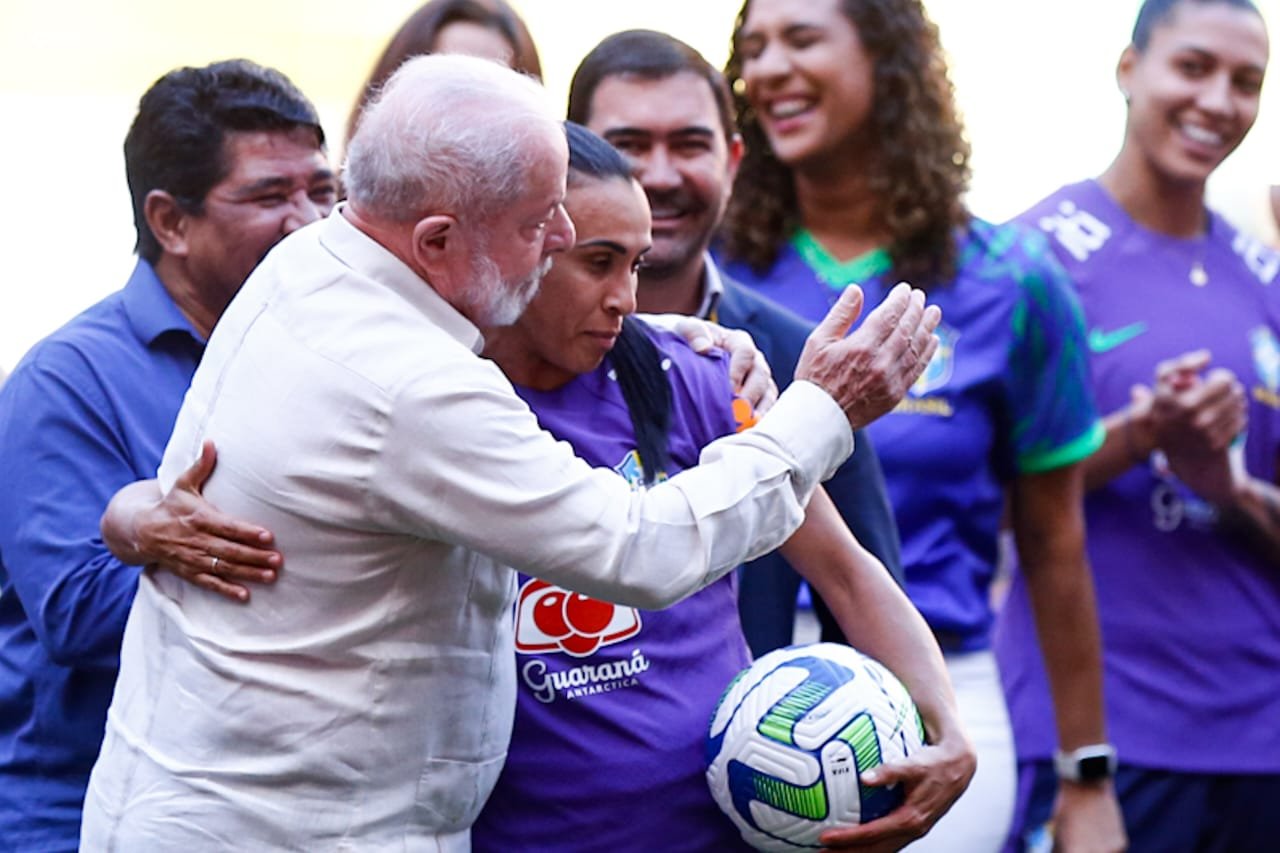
column 712, row 287
column 367, row 256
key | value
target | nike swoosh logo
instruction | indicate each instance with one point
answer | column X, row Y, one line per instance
column 1100, row 341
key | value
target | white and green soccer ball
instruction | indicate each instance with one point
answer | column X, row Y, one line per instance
column 791, row 735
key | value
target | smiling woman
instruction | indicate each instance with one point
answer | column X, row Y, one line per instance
column 855, row 172
column 1182, row 505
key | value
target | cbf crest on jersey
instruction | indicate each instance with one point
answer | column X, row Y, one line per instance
column 941, row 366
column 1266, row 362
column 632, row 470
column 920, row 399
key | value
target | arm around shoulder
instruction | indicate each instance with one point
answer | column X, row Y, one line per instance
column 180, row 532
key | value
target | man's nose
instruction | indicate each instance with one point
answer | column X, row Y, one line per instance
column 302, row 211
column 658, row 171
column 560, row 232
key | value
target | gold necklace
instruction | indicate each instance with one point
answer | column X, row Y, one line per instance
column 1198, row 275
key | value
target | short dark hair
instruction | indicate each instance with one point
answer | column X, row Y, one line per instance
column 592, row 157
column 1153, row 13
column 177, row 140
column 649, row 55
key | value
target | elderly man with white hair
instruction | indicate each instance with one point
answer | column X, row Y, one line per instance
column 365, row 700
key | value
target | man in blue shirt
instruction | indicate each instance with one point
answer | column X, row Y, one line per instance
column 222, row 162
column 658, row 101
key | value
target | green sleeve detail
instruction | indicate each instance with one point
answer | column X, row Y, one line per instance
column 1069, row 453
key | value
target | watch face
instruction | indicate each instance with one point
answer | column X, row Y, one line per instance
column 1094, row 767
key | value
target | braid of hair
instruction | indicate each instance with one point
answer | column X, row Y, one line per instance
column 638, row 366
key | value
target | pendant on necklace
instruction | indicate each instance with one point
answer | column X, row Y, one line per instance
column 1198, row 275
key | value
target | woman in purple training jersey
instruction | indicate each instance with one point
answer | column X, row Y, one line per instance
column 613, row 703
column 855, row 170
column 1182, row 512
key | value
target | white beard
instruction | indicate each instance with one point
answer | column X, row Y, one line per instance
column 499, row 302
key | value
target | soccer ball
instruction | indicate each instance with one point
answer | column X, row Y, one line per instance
column 792, row 733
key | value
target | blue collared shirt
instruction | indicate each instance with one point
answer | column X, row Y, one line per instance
column 88, row 410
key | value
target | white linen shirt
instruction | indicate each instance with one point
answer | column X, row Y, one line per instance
column 365, row 700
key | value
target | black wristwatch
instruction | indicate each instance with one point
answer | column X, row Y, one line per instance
column 1086, row 764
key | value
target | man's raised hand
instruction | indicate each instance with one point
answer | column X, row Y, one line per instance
column 868, row 372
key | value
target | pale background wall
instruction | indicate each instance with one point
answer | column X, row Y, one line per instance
column 1034, row 79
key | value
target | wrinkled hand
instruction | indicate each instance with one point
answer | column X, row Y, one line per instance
column 933, row 777
column 1194, row 418
column 868, row 373
column 1087, row 819
column 748, row 370
column 183, row 533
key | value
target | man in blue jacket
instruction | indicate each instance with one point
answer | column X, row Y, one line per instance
column 657, row 100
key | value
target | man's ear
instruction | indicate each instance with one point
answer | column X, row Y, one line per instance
column 167, row 221
column 1125, row 68
column 436, row 240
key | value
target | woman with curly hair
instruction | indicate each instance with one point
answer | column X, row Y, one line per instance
column 855, row 171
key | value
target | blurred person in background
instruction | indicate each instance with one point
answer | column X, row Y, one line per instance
column 855, row 171
column 490, row 29
column 1182, row 509
column 222, row 162
column 670, row 112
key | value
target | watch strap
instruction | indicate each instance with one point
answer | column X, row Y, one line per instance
column 1086, row 763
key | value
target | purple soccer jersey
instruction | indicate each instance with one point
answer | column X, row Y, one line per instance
column 1190, row 618
column 614, row 703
